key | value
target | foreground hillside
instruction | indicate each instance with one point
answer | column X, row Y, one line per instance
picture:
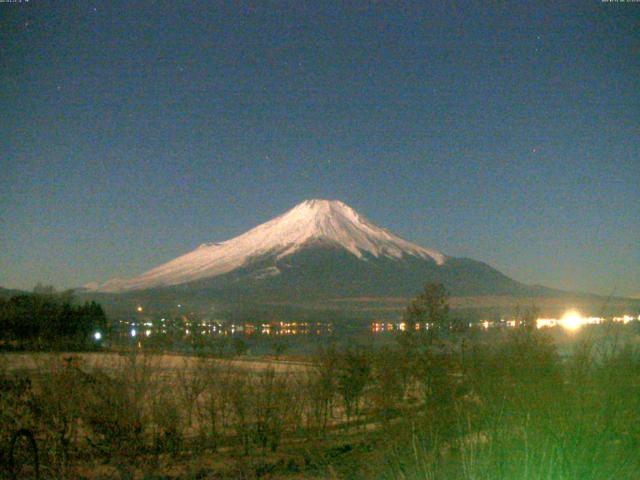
column 501, row 405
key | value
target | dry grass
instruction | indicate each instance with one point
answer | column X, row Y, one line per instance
column 161, row 362
column 509, row 407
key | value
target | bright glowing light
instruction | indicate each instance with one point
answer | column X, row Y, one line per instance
column 139, row 308
column 97, row 335
column 572, row 320
column 147, row 333
column 546, row 322
column 133, row 332
column 624, row 319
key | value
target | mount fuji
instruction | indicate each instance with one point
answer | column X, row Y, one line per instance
column 318, row 249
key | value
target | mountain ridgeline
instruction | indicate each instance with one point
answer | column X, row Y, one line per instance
column 326, row 271
column 319, row 249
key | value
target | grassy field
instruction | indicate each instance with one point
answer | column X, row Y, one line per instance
column 493, row 405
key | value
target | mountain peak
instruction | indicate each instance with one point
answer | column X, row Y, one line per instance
column 321, row 202
column 320, row 206
column 326, row 221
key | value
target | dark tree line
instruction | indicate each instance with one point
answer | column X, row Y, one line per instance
column 49, row 319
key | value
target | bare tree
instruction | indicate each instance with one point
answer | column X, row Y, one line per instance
column 240, row 390
column 191, row 384
column 215, row 413
column 428, row 312
column 353, row 375
column 388, row 380
column 322, row 387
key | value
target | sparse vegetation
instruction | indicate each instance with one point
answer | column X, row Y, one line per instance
column 430, row 407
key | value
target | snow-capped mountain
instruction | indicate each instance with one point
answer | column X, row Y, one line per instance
column 319, row 249
column 313, row 223
column 319, row 258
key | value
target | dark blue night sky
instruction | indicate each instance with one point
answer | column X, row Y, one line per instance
column 134, row 131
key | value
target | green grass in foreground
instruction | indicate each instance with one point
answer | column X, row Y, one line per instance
column 505, row 407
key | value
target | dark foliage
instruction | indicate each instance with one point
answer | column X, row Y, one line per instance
column 48, row 320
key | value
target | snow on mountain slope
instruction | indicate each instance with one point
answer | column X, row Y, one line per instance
column 324, row 221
